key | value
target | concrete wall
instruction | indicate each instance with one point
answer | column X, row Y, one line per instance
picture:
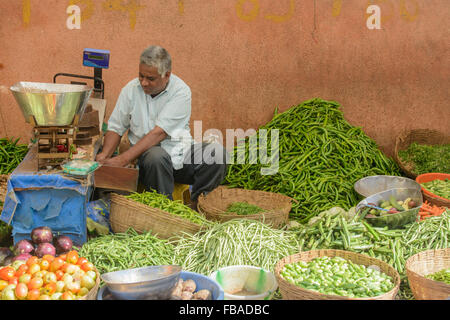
column 244, row 58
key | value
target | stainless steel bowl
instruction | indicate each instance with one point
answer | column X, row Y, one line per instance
column 370, row 185
column 51, row 104
column 147, row 283
column 395, row 220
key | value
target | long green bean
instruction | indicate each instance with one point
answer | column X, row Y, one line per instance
column 176, row 207
column 234, row 242
column 321, row 156
column 127, row 250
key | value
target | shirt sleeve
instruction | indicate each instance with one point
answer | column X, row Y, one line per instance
column 119, row 121
column 175, row 115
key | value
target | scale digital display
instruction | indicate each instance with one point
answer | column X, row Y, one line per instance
column 96, row 58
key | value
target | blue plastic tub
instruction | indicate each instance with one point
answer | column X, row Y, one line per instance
column 202, row 282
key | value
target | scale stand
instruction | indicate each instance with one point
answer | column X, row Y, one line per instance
column 48, row 140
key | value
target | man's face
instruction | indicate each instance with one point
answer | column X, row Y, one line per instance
column 151, row 81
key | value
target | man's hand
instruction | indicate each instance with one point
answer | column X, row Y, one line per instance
column 101, row 158
column 118, row 161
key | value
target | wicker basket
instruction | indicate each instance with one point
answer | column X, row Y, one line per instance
column 92, row 294
column 292, row 292
column 126, row 213
column 420, row 136
column 424, row 263
column 3, row 186
column 429, row 196
column 276, row 206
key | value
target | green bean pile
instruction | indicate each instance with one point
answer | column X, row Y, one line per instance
column 338, row 276
column 243, row 208
column 438, row 187
column 235, row 242
column 321, row 156
column 427, row 158
column 127, row 250
column 442, row 276
column 11, row 154
column 162, row 202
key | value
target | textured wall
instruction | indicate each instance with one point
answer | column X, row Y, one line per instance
column 244, row 58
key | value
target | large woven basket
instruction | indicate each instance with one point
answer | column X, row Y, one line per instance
column 92, row 294
column 276, row 206
column 292, row 292
column 431, row 197
column 422, row 264
column 126, row 213
column 420, row 136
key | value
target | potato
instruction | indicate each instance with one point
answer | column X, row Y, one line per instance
column 203, row 295
column 189, row 285
column 178, row 290
column 186, row 295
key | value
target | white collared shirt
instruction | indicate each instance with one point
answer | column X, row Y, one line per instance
column 170, row 110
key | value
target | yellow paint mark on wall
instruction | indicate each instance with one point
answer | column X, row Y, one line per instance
column 86, row 11
column 250, row 15
column 405, row 15
column 337, row 6
column 285, row 17
column 181, row 6
column 26, row 12
column 132, row 7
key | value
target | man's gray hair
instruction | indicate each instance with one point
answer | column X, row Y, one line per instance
column 158, row 57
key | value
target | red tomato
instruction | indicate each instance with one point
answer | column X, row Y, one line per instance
column 35, row 283
column 59, row 274
column 25, row 278
column 21, row 291
column 81, row 261
column 64, row 267
column 3, row 284
column 67, row 296
column 72, row 257
column 22, row 270
column 45, row 264
column 48, row 257
column 63, row 257
column 56, row 264
column 14, row 281
column 32, row 260
column 87, row 266
column 7, row 273
column 34, row 268
column 33, row 294
column 49, row 289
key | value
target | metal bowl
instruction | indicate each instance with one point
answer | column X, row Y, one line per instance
column 51, row 104
column 395, row 220
column 147, row 283
column 370, row 185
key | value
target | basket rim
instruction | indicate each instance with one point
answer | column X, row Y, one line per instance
column 280, row 264
column 429, row 193
column 416, row 258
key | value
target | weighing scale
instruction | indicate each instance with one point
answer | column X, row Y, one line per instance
column 56, row 110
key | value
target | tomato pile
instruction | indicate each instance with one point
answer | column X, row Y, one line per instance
column 65, row 277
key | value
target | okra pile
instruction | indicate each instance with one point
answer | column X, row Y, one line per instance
column 338, row 276
column 321, row 156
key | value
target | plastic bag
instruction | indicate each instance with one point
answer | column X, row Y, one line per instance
column 98, row 213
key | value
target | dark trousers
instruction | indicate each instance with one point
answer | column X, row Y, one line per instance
column 204, row 168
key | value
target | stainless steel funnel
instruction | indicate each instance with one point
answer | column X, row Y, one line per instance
column 51, row 104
